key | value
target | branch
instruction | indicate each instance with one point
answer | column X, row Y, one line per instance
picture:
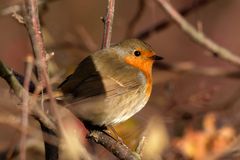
column 139, row 148
column 191, row 68
column 163, row 24
column 16, row 7
column 108, row 22
column 33, row 26
column 199, row 37
column 117, row 148
column 25, row 106
column 18, row 89
column 8, row 75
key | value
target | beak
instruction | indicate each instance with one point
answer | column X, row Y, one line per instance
column 156, row 58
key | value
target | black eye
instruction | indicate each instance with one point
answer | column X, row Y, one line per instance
column 137, row 53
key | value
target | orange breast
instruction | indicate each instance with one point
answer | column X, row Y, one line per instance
column 145, row 66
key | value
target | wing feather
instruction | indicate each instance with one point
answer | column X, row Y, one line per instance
column 89, row 80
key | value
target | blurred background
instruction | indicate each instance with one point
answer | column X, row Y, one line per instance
column 190, row 115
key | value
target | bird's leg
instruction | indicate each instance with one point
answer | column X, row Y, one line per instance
column 104, row 129
column 119, row 139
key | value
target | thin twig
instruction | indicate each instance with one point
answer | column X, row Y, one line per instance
column 18, row 89
column 108, row 22
column 8, row 75
column 191, row 68
column 163, row 24
column 199, row 37
column 16, row 7
column 18, row 17
column 33, row 26
column 25, row 109
column 118, row 149
column 140, row 145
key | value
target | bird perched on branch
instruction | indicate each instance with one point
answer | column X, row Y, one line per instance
column 112, row 84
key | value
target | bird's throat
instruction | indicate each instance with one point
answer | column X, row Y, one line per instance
column 145, row 67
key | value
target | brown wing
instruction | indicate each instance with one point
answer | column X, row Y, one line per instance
column 89, row 82
column 84, row 82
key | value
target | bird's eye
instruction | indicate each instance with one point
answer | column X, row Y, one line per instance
column 137, row 53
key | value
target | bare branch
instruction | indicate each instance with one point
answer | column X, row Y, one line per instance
column 108, row 22
column 191, row 68
column 140, row 145
column 17, row 7
column 163, row 24
column 199, row 37
column 8, row 75
column 18, row 89
column 25, row 109
column 33, row 26
column 18, row 17
column 118, row 149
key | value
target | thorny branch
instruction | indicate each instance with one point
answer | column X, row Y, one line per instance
column 199, row 37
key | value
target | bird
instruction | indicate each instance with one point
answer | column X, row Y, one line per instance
column 112, row 84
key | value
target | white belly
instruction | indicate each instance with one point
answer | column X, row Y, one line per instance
column 125, row 106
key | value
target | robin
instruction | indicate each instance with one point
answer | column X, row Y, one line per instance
column 112, row 84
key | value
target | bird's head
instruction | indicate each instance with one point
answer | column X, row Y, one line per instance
column 137, row 54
